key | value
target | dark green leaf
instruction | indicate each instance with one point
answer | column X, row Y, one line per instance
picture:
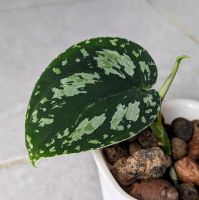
column 95, row 94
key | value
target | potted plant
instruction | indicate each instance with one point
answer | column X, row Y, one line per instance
column 96, row 94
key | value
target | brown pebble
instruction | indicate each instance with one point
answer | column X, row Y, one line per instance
column 147, row 139
column 179, row 148
column 134, row 147
column 131, row 139
column 148, row 163
column 182, row 128
column 155, row 189
column 194, row 144
column 121, row 173
column 188, row 191
column 187, row 170
column 114, row 153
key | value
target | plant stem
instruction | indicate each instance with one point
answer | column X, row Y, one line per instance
column 161, row 135
column 157, row 126
column 166, row 85
column 173, row 176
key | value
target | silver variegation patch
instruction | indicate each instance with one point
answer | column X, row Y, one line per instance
column 113, row 63
column 71, row 85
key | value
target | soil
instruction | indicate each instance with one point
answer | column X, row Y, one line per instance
column 145, row 172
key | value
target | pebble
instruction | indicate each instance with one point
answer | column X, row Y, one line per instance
column 169, row 131
column 155, row 189
column 187, row 170
column 179, row 148
column 131, row 139
column 147, row 139
column 194, row 144
column 182, row 128
column 188, row 191
column 114, row 153
column 134, row 147
column 148, row 163
column 121, row 173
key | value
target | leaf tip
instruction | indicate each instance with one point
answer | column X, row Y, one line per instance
column 179, row 58
column 33, row 161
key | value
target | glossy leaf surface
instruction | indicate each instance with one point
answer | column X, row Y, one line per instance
column 95, row 94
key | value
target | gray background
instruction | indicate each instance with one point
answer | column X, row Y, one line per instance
column 32, row 33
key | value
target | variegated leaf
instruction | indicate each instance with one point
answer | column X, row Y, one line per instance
column 95, row 94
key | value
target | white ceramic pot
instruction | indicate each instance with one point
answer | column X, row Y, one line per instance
column 171, row 109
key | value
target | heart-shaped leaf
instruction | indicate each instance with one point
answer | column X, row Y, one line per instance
column 95, row 94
